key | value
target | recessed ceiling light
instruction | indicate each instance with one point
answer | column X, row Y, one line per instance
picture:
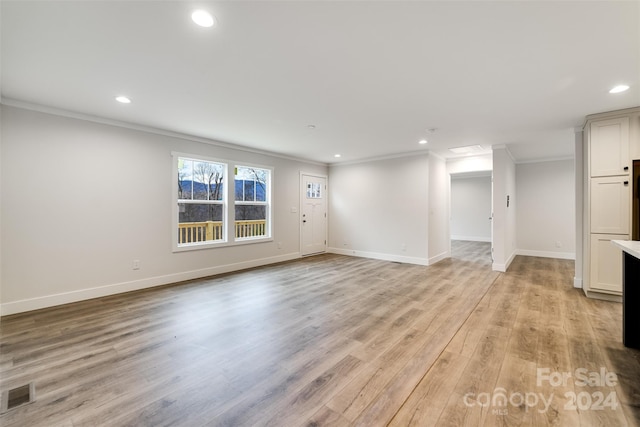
column 202, row 18
column 422, row 141
column 468, row 149
column 311, row 126
column 337, row 156
column 123, row 99
column 619, row 88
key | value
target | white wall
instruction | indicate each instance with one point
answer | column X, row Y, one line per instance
column 470, row 164
column 81, row 200
column 471, row 208
column 580, row 162
column 439, row 243
column 504, row 217
column 379, row 209
column 1, row 170
column 546, row 209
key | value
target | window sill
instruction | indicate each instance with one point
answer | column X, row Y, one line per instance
column 220, row 244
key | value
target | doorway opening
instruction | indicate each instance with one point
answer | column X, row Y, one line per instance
column 471, row 216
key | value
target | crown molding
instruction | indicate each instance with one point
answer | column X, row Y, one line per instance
column 148, row 129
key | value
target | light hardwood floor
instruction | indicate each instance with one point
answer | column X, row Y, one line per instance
column 327, row 340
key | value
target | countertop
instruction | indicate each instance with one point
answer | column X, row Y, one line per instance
column 632, row 247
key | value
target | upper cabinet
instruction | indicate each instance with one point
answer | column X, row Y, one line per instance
column 609, row 147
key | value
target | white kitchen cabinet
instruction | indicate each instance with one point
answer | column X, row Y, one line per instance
column 610, row 205
column 611, row 139
column 609, row 147
column 606, row 264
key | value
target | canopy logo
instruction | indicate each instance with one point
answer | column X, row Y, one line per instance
column 499, row 400
column 582, row 399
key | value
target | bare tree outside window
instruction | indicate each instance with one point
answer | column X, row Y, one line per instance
column 202, row 197
column 251, row 200
column 200, row 201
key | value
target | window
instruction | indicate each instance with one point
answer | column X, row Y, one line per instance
column 203, row 217
column 201, row 201
column 314, row 190
column 252, row 202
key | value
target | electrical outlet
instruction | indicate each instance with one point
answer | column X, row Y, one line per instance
column 404, row 247
column 279, row 245
column 558, row 244
column 136, row 264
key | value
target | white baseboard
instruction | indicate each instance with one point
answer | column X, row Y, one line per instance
column 525, row 252
column 102, row 291
column 383, row 257
column 547, row 254
column 438, row 258
column 577, row 283
column 503, row 267
column 472, row 238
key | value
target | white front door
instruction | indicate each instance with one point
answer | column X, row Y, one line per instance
column 314, row 214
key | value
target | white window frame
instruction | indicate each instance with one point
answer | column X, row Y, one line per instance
column 176, row 202
column 228, row 202
column 267, row 203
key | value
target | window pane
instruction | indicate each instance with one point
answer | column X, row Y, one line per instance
column 251, row 212
column 261, row 191
column 252, row 185
column 185, row 178
column 216, row 190
column 251, row 221
column 314, row 190
column 200, row 180
column 207, row 180
column 249, row 195
column 199, row 222
column 239, row 190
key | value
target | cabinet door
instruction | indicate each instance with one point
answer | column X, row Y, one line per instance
column 634, row 137
column 610, row 205
column 606, row 264
column 609, row 145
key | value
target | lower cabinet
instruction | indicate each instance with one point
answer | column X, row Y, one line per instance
column 606, row 264
column 610, row 204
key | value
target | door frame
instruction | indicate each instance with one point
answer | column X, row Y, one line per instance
column 301, row 207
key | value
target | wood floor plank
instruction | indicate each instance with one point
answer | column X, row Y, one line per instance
column 516, row 381
column 311, row 397
column 382, row 409
column 325, row 341
column 479, row 376
column 427, row 401
column 325, row 417
column 360, row 392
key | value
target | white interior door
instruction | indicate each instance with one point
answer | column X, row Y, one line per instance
column 314, row 214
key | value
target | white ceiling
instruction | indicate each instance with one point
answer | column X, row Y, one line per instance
column 372, row 76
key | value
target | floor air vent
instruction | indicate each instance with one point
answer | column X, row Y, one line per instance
column 17, row 397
